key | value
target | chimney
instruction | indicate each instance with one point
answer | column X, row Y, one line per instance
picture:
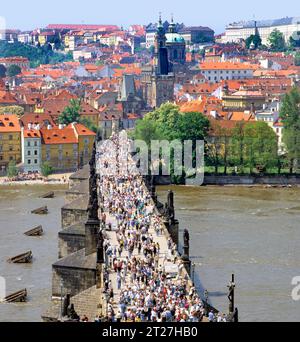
column 213, row 113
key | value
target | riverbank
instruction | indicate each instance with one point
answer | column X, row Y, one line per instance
column 55, row 179
column 242, row 180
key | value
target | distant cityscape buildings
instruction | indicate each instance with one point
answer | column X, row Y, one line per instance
column 238, row 31
column 118, row 75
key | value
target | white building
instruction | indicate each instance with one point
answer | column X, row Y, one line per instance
column 271, row 115
column 150, row 39
column 235, row 32
column 25, row 38
column 31, row 149
column 215, row 72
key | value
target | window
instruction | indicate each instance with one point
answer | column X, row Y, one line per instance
column 35, row 161
column 28, row 143
column 10, row 137
column 35, row 152
column 29, row 153
column 11, row 148
column 1, row 148
column 28, row 161
column 35, row 143
column 11, row 158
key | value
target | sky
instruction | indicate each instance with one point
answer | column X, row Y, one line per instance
column 31, row 14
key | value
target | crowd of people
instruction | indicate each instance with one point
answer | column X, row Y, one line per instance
column 32, row 177
column 135, row 262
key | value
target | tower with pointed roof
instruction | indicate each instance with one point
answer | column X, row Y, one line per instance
column 176, row 46
column 158, row 80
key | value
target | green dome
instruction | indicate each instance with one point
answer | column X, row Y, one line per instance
column 174, row 38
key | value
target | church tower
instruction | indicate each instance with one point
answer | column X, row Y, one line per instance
column 162, row 81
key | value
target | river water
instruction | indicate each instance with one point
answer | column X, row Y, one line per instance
column 253, row 233
column 15, row 218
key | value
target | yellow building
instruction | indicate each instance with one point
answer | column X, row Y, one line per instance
column 86, row 140
column 67, row 41
column 42, row 39
column 244, row 100
column 10, row 141
column 68, row 148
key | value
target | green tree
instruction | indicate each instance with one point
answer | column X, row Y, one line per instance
column 19, row 111
column 290, row 115
column 167, row 118
column 89, row 124
column 253, row 39
column 261, row 146
column 238, row 146
column 12, row 170
column 294, row 42
column 46, row 169
column 168, row 123
column 2, row 70
column 13, row 70
column 147, row 130
column 71, row 113
column 192, row 126
column 36, row 54
column 276, row 40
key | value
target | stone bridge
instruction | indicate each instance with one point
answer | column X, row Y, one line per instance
column 78, row 275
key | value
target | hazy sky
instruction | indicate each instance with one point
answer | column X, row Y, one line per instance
column 29, row 14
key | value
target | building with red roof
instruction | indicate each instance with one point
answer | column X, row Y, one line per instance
column 31, row 149
column 67, row 148
column 10, row 141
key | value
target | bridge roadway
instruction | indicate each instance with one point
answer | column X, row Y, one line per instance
column 166, row 260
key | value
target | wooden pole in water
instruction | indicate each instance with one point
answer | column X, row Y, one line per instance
column 231, row 287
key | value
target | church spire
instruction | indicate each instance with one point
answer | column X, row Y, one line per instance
column 172, row 26
column 160, row 24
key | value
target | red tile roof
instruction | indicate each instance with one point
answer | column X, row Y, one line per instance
column 9, row 123
column 31, row 133
column 59, row 136
column 7, row 98
column 37, row 119
column 82, row 130
column 225, row 66
column 110, row 28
